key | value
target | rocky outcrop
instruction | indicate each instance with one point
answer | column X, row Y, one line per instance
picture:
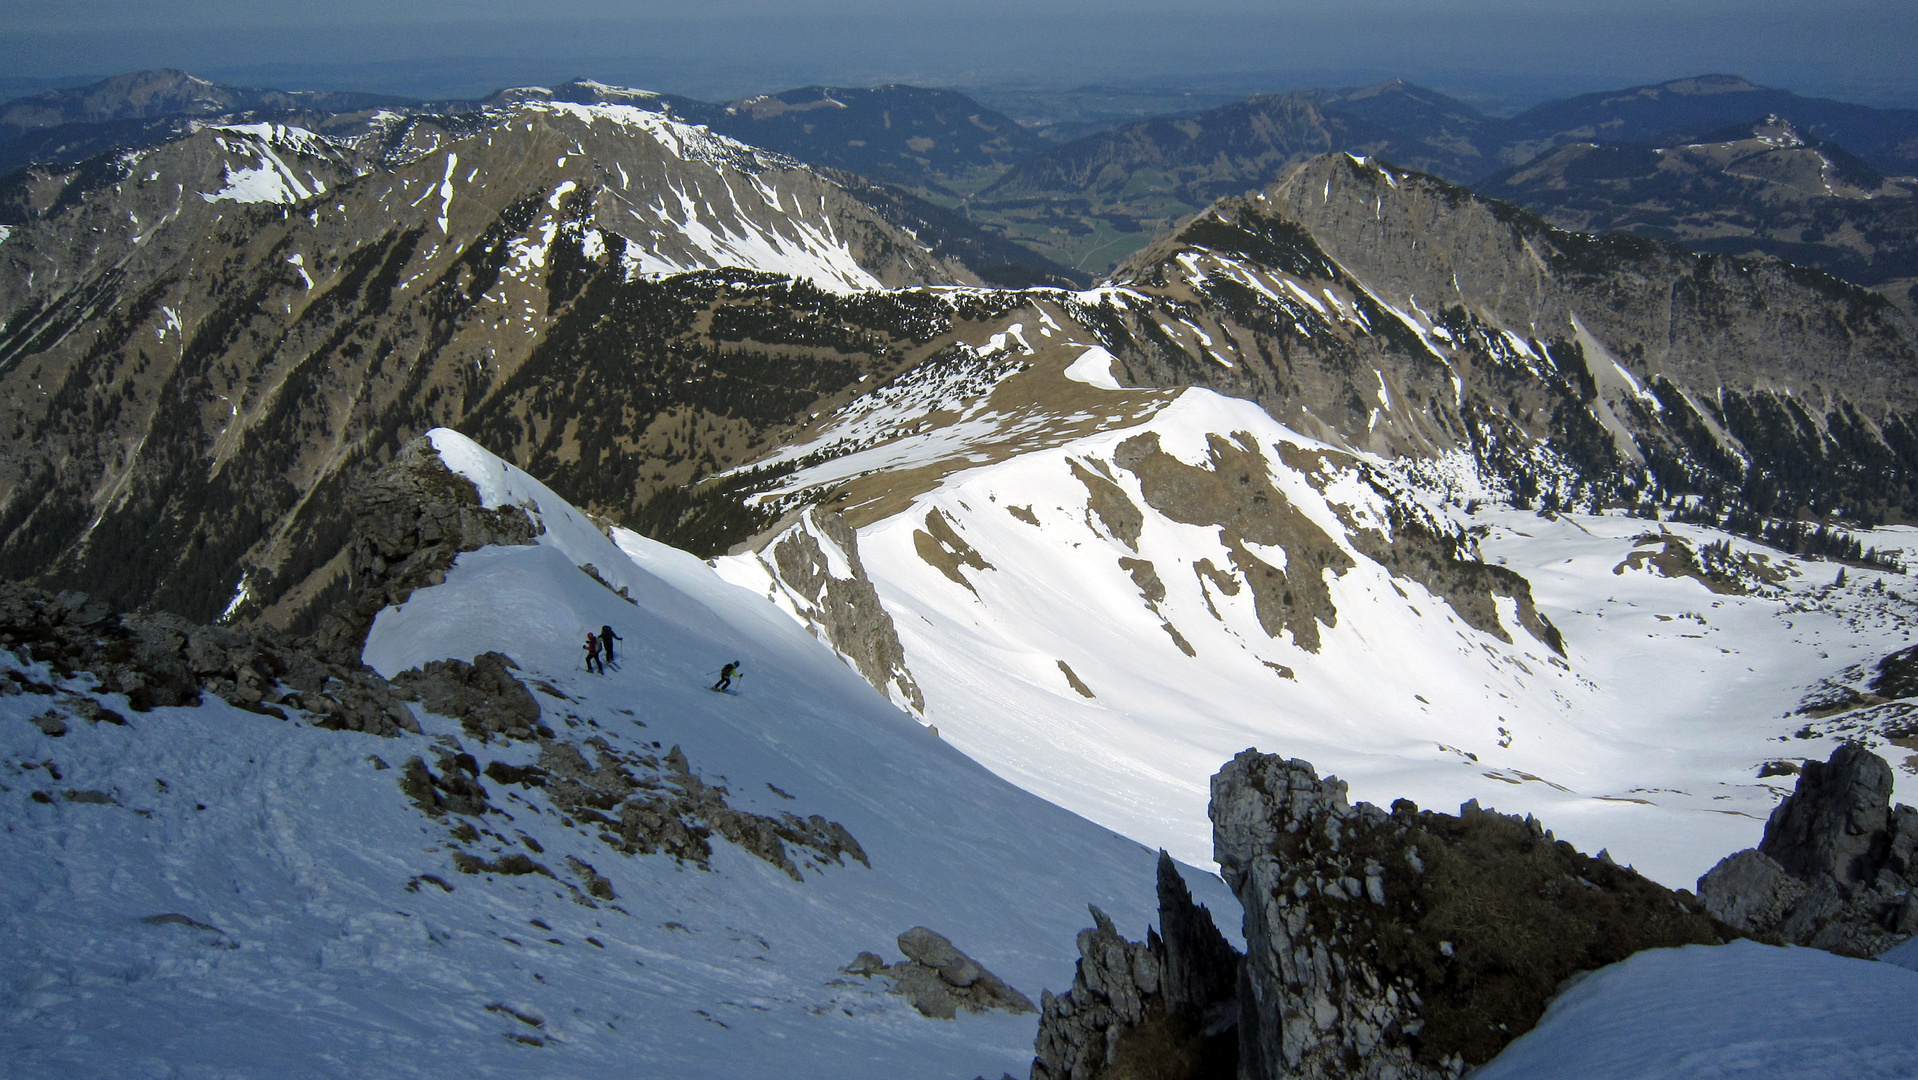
column 411, row 520
column 484, row 696
column 161, row 659
column 940, row 980
column 644, row 804
column 1837, row 868
column 1409, row 944
column 1234, row 492
column 818, row 562
column 1166, row 1006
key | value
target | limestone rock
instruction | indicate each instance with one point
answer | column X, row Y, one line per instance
column 412, row 518
column 1165, row 1006
column 1834, row 824
column 1838, row 865
column 484, row 696
column 817, row 560
column 646, row 805
column 939, row 980
column 160, row 659
column 1409, row 944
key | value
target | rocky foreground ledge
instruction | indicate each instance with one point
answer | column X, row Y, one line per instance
column 1411, row 945
column 1382, row 945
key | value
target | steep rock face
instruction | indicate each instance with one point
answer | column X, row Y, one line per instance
column 1408, row 943
column 1838, row 867
column 1163, row 1007
column 1698, row 321
column 817, row 563
column 1393, row 312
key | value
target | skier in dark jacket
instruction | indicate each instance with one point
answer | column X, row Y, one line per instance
column 592, row 655
column 606, row 639
column 726, row 676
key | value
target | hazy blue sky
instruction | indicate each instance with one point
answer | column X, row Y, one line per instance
column 1860, row 49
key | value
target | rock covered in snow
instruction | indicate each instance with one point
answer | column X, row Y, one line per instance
column 1836, row 868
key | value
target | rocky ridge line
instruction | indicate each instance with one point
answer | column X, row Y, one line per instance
column 158, row 660
column 411, row 519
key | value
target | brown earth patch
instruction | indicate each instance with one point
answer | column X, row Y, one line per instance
column 944, row 549
column 1235, row 492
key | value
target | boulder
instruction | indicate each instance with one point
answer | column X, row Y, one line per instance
column 939, row 980
column 1837, row 867
column 484, row 696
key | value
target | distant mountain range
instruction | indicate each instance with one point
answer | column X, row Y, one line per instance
column 1754, row 189
column 1091, row 202
column 1028, row 210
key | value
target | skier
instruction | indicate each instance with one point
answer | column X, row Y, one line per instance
column 592, row 655
column 606, row 639
column 726, row 676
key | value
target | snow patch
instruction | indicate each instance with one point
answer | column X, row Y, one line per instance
column 1094, row 368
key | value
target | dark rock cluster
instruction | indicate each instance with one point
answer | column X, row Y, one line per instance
column 161, row 659
column 642, row 804
column 940, row 980
column 1837, row 868
column 1165, row 1006
column 412, row 518
column 484, row 696
column 1405, row 944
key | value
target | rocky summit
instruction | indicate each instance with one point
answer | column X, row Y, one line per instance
column 1378, row 944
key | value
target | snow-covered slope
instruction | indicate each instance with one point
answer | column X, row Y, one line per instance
column 1085, row 617
column 1738, row 1010
column 249, row 896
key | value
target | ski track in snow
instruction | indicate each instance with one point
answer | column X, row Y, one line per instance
column 324, row 964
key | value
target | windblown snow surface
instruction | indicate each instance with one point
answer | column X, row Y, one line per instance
column 291, row 852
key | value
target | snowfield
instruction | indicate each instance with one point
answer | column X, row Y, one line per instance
column 226, row 894
column 1645, row 739
column 288, row 928
column 1738, row 1010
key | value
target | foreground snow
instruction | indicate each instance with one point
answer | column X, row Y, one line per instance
column 315, row 947
column 1739, row 1010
